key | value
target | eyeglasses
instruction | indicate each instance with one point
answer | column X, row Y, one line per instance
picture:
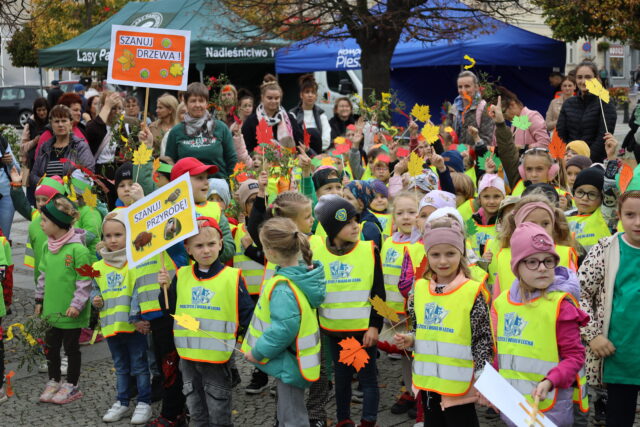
column 534, row 263
column 589, row 195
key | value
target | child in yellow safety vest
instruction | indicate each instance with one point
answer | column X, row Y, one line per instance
column 379, row 207
column 215, row 296
column 538, row 327
column 127, row 299
column 354, row 275
column 452, row 341
column 491, row 192
column 360, row 194
column 283, row 338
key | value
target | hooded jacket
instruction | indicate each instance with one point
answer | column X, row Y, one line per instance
column 77, row 151
column 278, row 341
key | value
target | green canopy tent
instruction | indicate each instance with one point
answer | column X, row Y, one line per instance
column 209, row 42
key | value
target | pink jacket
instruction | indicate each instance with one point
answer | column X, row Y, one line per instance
column 536, row 136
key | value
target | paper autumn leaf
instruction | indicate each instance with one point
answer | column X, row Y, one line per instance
column 352, row 353
column 421, row 112
column 88, row 271
column 521, row 122
column 402, row 152
column 264, row 133
column 482, row 161
column 386, row 98
column 624, row 177
column 156, row 164
column 431, row 133
column 341, row 149
column 461, row 148
column 327, row 161
column 383, row 309
column 176, row 69
column 448, row 129
column 187, row 321
column 595, row 87
column 306, row 136
column 415, row 164
column 126, row 60
column 240, row 166
column 471, row 60
column 142, row 155
column 557, row 148
column 469, row 100
column 383, row 158
column 471, row 227
column 89, row 198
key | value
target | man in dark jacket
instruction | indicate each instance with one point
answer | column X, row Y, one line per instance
column 54, row 93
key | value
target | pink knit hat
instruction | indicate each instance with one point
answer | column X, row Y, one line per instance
column 528, row 239
column 491, row 180
column 525, row 210
column 450, row 235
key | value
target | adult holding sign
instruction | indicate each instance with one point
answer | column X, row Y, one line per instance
column 201, row 135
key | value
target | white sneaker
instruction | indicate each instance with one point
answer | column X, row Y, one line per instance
column 42, row 367
column 142, row 413
column 115, row 413
column 64, row 363
column 50, row 390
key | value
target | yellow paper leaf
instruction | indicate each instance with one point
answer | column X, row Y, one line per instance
column 187, row 322
column 89, row 198
column 595, row 87
column 431, row 133
column 421, row 112
column 142, row 155
column 383, row 309
column 127, row 60
column 448, row 129
column 415, row 164
column 156, row 164
column 327, row 161
column 339, row 140
column 386, row 98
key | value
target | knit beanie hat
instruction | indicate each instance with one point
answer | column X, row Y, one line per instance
column 246, row 190
column 589, row 176
column 49, row 186
column 125, row 171
column 491, row 180
column 334, row 213
column 528, row 239
column 380, row 187
column 220, row 187
column 579, row 147
column 321, row 176
column 438, row 199
column 453, row 159
column 524, row 211
column 444, row 235
column 545, row 189
column 117, row 215
column 581, row 162
column 59, row 218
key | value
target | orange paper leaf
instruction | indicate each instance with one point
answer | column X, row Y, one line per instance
column 9, row 388
column 240, row 166
column 626, row 174
column 353, row 354
column 469, row 100
column 306, row 136
column 557, row 148
column 383, row 309
column 156, row 164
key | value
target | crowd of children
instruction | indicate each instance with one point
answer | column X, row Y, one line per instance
column 495, row 252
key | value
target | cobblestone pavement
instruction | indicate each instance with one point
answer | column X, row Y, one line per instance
column 97, row 380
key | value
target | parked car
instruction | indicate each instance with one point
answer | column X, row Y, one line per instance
column 16, row 103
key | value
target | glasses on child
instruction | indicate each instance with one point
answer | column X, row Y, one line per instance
column 588, row 194
column 534, row 263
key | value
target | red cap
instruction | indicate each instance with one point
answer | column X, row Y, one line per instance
column 210, row 222
column 193, row 166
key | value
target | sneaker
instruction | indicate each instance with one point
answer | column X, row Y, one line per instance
column 3, row 395
column 394, row 356
column 64, row 364
column 413, row 412
column 67, row 393
column 600, row 411
column 50, row 390
column 115, row 413
column 141, row 414
column 420, row 424
column 259, row 383
column 357, row 396
column 346, row 423
column 161, row 421
column 43, row 367
column 404, row 403
column 317, row 423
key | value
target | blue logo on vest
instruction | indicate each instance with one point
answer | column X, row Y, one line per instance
column 201, row 296
column 434, row 314
column 341, row 215
column 340, row 270
column 391, row 257
column 513, row 325
column 576, row 227
column 114, row 280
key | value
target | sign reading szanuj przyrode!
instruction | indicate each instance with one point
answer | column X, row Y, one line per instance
column 149, row 57
column 160, row 220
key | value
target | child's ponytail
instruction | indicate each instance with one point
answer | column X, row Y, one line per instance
column 305, row 248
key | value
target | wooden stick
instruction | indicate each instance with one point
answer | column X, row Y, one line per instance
column 164, row 288
column 534, row 415
column 146, row 107
column 603, row 119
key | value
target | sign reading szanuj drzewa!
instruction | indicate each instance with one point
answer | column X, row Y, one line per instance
column 149, row 57
column 160, row 220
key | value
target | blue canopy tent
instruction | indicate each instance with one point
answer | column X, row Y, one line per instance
column 426, row 72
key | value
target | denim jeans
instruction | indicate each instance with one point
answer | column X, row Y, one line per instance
column 129, row 354
column 368, row 378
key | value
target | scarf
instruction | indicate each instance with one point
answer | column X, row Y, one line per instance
column 280, row 119
column 116, row 258
column 194, row 126
column 400, row 237
column 56, row 244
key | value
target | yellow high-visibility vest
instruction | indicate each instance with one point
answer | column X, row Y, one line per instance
column 251, row 270
column 392, row 255
column 589, row 229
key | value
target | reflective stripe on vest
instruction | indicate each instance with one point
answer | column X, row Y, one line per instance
column 29, row 256
column 392, row 256
column 214, row 303
column 443, row 360
column 589, row 229
column 527, row 344
column 251, row 271
column 580, row 394
column 349, row 281
column 308, row 339
column 116, row 287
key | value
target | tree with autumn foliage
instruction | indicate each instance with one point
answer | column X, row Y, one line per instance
column 376, row 25
column 613, row 19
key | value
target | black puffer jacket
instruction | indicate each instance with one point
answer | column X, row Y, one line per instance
column 580, row 118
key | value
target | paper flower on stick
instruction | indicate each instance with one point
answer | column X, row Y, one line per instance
column 421, row 112
column 431, row 133
column 595, row 88
column 472, row 62
column 89, row 198
column 384, row 309
column 521, row 122
column 353, row 354
column 415, row 164
column 142, row 155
